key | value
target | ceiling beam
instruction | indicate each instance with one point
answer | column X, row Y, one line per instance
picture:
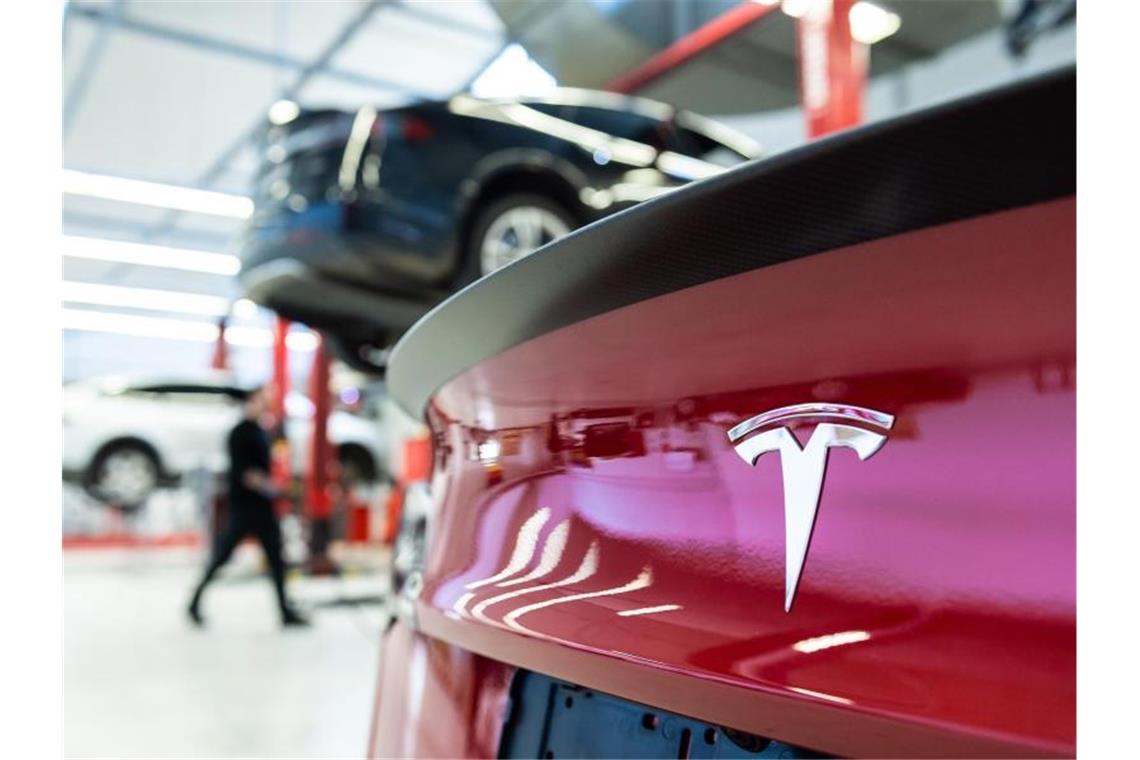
column 437, row 19
column 311, row 69
column 224, row 47
column 524, row 21
column 76, row 89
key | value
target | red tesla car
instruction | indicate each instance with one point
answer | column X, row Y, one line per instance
column 779, row 464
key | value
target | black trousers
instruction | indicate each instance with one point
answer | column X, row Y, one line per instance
column 249, row 520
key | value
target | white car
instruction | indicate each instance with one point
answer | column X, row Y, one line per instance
column 123, row 437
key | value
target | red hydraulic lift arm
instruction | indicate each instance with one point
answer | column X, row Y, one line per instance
column 691, row 45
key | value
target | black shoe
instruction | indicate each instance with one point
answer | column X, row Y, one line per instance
column 195, row 615
column 294, row 619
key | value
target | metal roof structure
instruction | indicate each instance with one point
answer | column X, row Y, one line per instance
column 173, row 92
column 162, row 102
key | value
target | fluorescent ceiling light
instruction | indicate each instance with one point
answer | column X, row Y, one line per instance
column 283, row 112
column 871, row 23
column 244, row 308
column 155, row 194
column 143, row 254
column 145, row 298
column 195, row 331
column 511, row 74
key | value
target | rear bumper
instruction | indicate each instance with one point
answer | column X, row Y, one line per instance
column 438, row 699
column 301, row 292
column 317, row 267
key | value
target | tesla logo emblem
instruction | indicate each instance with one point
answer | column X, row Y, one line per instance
column 863, row 430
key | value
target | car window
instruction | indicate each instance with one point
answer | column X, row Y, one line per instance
column 690, row 143
column 188, row 392
column 625, row 124
column 557, row 110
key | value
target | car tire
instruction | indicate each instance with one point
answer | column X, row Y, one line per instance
column 493, row 221
column 123, row 475
column 367, row 355
column 357, row 466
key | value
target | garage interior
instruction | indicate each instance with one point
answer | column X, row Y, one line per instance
column 165, row 108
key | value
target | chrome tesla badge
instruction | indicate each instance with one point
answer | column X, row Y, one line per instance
column 863, row 430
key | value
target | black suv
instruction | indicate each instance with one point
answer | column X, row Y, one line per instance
column 366, row 220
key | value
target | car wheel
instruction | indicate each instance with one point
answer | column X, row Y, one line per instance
column 367, row 355
column 511, row 228
column 123, row 475
column 357, row 467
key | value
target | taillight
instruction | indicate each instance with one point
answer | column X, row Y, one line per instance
column 416, row 129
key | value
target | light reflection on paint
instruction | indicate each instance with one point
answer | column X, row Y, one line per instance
column 650, row 610
column 551, row 554
column 354, row 147
column 620, row 149
column 819, row 643
column 417, row 680
column 643, row 580
column 460, row 605
column 586, row 570
column 489, row 451
column 525, row 544
column 821, row 695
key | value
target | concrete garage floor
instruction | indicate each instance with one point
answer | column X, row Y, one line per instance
column 139, row 681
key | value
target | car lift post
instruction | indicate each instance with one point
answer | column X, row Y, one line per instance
column 833, row 67
column 221, row 356
column 281, row 461
column 318, row 483
column 280, row 368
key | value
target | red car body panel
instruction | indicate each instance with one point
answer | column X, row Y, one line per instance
column 936, row 611
column 588, row 518
column 436, row 700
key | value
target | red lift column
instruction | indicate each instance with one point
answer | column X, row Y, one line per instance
column 280, row 368
column 833, row 67
column 220, row 359
column 318, row 479
column 282, row 460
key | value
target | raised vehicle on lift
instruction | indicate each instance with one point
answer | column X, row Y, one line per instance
column 781, row 463
column 364, row 221
column 125, row 436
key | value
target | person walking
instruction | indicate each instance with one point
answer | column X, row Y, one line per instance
column 251, row 496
